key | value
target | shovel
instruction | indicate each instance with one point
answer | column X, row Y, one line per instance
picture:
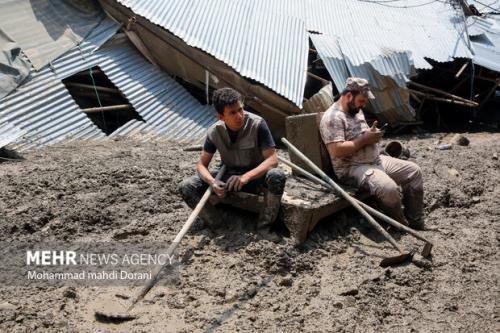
column 388, row 261
column 426, row 251
column 116, row 312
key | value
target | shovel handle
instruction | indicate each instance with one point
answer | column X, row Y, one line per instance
column 177, row 240
column 343, row 193
column 369, row 209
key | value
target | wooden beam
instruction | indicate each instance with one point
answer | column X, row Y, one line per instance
column 460, row 71
column 441, row 92
column 108, row 108
column 86, row 72
column 445, row 100
column 415, row 97
column 319, row 78
column 89, row 86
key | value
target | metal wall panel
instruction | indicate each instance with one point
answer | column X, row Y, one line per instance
column 485, row 36
column 268, row 47
column 46, row 112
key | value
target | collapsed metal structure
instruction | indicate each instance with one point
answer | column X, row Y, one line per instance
column 285, row 57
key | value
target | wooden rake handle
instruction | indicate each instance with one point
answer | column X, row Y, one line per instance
column 177, row 240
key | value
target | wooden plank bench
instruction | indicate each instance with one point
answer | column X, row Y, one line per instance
column 303, row 205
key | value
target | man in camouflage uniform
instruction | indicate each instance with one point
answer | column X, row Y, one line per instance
column 354, row 152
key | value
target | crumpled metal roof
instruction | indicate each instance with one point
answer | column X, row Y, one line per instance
column 486, row 6
column 9, row 133
column 485, row 38
column 43, row 107
column 45, row 110
column 427, row 29
column 385, row 43
column 388, row 71
column 47, row 29
column 268, row 47
column 169, row 111
column 382, row 41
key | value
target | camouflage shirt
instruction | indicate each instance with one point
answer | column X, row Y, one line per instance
column 338, row 126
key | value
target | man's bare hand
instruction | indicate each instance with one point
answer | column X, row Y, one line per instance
column 236, row 183
column 373, row 135
column 219, row 188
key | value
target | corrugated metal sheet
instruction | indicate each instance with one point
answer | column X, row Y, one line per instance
column 44, row 108
column 264, row 40
column 47, row 29
column 321, row 101
column 426, row 29
column 169, row 111
column 486, row 6
column 268, row 47
column 388, row 71
column 485, row 37
column 9, row 133
column 46, row 111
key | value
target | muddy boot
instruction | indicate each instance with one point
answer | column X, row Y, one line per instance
column 211, row 217
column 414, row 209
column 268, row 215
column 395, row 213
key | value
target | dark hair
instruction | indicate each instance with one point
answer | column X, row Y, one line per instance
column 353, row 92
column 223, row 97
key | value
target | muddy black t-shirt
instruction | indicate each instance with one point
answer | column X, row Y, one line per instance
column 264, row 139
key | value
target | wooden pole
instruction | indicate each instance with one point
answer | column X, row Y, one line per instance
column 108, row 108
column 343, row 193
column 89, row 86
column 373, row 211
column 441, row 92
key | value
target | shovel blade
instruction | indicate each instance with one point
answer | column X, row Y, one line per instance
column 112, row 311
column 426, row 250
column 395, row 260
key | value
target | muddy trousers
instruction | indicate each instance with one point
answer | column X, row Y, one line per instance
column 272, row 184
column 383, row 181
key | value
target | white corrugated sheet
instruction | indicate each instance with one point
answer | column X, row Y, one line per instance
column 9, row 133
column 387, row 72
column 486, row 6
column 383, row 41
column 485, row 37
column 265, row 46
column 47, row 29
column 46, row 112
column 168, row 110
column 43, row 107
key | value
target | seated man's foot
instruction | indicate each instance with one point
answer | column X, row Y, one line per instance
column 212, row 225
column 211, row 217
column 396, row 213
column 418, row 224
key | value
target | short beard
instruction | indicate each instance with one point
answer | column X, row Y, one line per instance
column 352, row 109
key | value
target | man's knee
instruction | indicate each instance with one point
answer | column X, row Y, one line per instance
column 390, row 194
column 190, row 189
column 385, row 189
column 275, row 181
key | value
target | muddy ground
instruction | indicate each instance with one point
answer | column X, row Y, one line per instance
column 229, row 280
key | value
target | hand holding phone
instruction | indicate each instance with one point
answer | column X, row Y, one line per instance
column 384, row 127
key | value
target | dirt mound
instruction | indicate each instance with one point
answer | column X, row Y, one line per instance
column 230, row 280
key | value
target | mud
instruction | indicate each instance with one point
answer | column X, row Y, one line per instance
column 229, row 280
